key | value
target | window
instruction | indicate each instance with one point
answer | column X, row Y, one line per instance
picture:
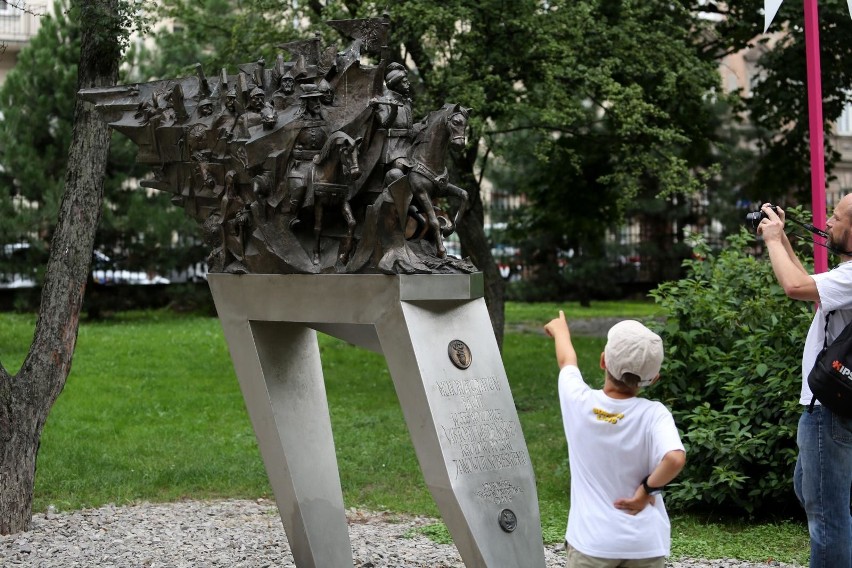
column 844, row 122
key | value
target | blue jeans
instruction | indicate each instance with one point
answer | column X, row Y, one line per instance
column 823, row 483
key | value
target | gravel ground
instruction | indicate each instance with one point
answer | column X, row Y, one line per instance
column 233, row 534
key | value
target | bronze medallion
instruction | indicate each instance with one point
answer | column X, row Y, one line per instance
column 508, row 521
column 459, row 353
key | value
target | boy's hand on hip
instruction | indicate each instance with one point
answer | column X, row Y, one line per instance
column 634, row 504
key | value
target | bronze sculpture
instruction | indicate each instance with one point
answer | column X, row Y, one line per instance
column 311, row 166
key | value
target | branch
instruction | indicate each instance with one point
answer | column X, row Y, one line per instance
column 24, row 7
column 484, row 163
column 315, row 7
column 420, row 58
column 352, row 6
column 550, row 127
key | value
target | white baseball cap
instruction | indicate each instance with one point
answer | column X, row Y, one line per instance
column 633, row 348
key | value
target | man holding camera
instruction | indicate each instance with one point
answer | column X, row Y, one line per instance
column 823, row 474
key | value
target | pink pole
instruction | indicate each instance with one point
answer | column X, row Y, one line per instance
column 815, row 126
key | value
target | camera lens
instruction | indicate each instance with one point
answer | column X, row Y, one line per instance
column 754, row 218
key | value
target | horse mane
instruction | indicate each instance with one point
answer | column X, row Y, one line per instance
column 331, row 143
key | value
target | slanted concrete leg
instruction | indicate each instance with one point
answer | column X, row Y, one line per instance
column 280, row 374
column 465, row 430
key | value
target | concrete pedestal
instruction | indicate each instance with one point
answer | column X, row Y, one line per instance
column 436, row 336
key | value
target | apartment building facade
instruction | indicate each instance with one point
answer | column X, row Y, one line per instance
column 19, row 22
column 739, row 71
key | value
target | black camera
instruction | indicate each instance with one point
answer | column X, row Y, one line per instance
column 754, row 218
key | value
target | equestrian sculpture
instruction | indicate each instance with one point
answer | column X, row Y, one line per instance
column 312, row 166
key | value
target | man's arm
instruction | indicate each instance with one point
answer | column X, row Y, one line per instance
column 789, row 272
column 557, row 328
column 665, row 472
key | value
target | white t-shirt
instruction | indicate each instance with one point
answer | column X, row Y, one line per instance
column 612, row 445
column 835, row 293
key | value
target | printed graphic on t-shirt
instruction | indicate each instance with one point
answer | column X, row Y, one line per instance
column 605, row 416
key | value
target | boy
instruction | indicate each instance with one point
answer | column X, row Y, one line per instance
column 622, row 451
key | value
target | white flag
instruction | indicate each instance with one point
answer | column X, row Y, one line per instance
column 770, row 8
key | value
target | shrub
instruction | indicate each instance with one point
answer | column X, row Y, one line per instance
column 732, row 378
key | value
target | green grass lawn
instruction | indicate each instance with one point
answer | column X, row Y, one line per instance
column 152, row 411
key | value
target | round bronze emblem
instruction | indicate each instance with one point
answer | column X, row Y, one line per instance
column 459, row 353
column 508, row 521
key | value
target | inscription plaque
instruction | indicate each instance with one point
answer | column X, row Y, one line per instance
column 480, row 436
column 498, row 492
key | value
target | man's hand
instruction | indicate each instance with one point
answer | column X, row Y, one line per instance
column 788, row 269
column 634, row 504
column 772, row 226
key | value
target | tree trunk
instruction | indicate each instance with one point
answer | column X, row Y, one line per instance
column 26, row 398
column 471, row 232
column 17, row 456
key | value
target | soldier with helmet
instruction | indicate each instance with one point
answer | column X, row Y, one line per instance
column 205, row 107
column 286, row 95
column 253, row 115
column 326, row 92
column 223, row 126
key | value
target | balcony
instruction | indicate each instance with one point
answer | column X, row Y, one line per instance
column 18, row 26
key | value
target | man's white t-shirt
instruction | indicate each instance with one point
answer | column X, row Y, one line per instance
column 835, row 293
column 612, row 445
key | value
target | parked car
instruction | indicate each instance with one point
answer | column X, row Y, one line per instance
column 193, row 273
column 16, row 255
column 105, row 271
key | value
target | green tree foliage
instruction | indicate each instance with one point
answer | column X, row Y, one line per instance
column 37, row 108
column 37, row 103
column 219, row 33
column 778, row 105
column 617, row 118
column 732, row 377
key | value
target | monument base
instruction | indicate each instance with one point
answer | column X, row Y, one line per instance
column 436, row 336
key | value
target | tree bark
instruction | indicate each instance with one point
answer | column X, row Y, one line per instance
column 26, row 398
column 475, row 243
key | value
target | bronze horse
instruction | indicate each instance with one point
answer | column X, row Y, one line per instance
column 428, row 176
column 332, row 173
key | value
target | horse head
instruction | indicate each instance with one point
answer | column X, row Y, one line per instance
column 349, row 158
column 340, row 149
column 457, row 117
